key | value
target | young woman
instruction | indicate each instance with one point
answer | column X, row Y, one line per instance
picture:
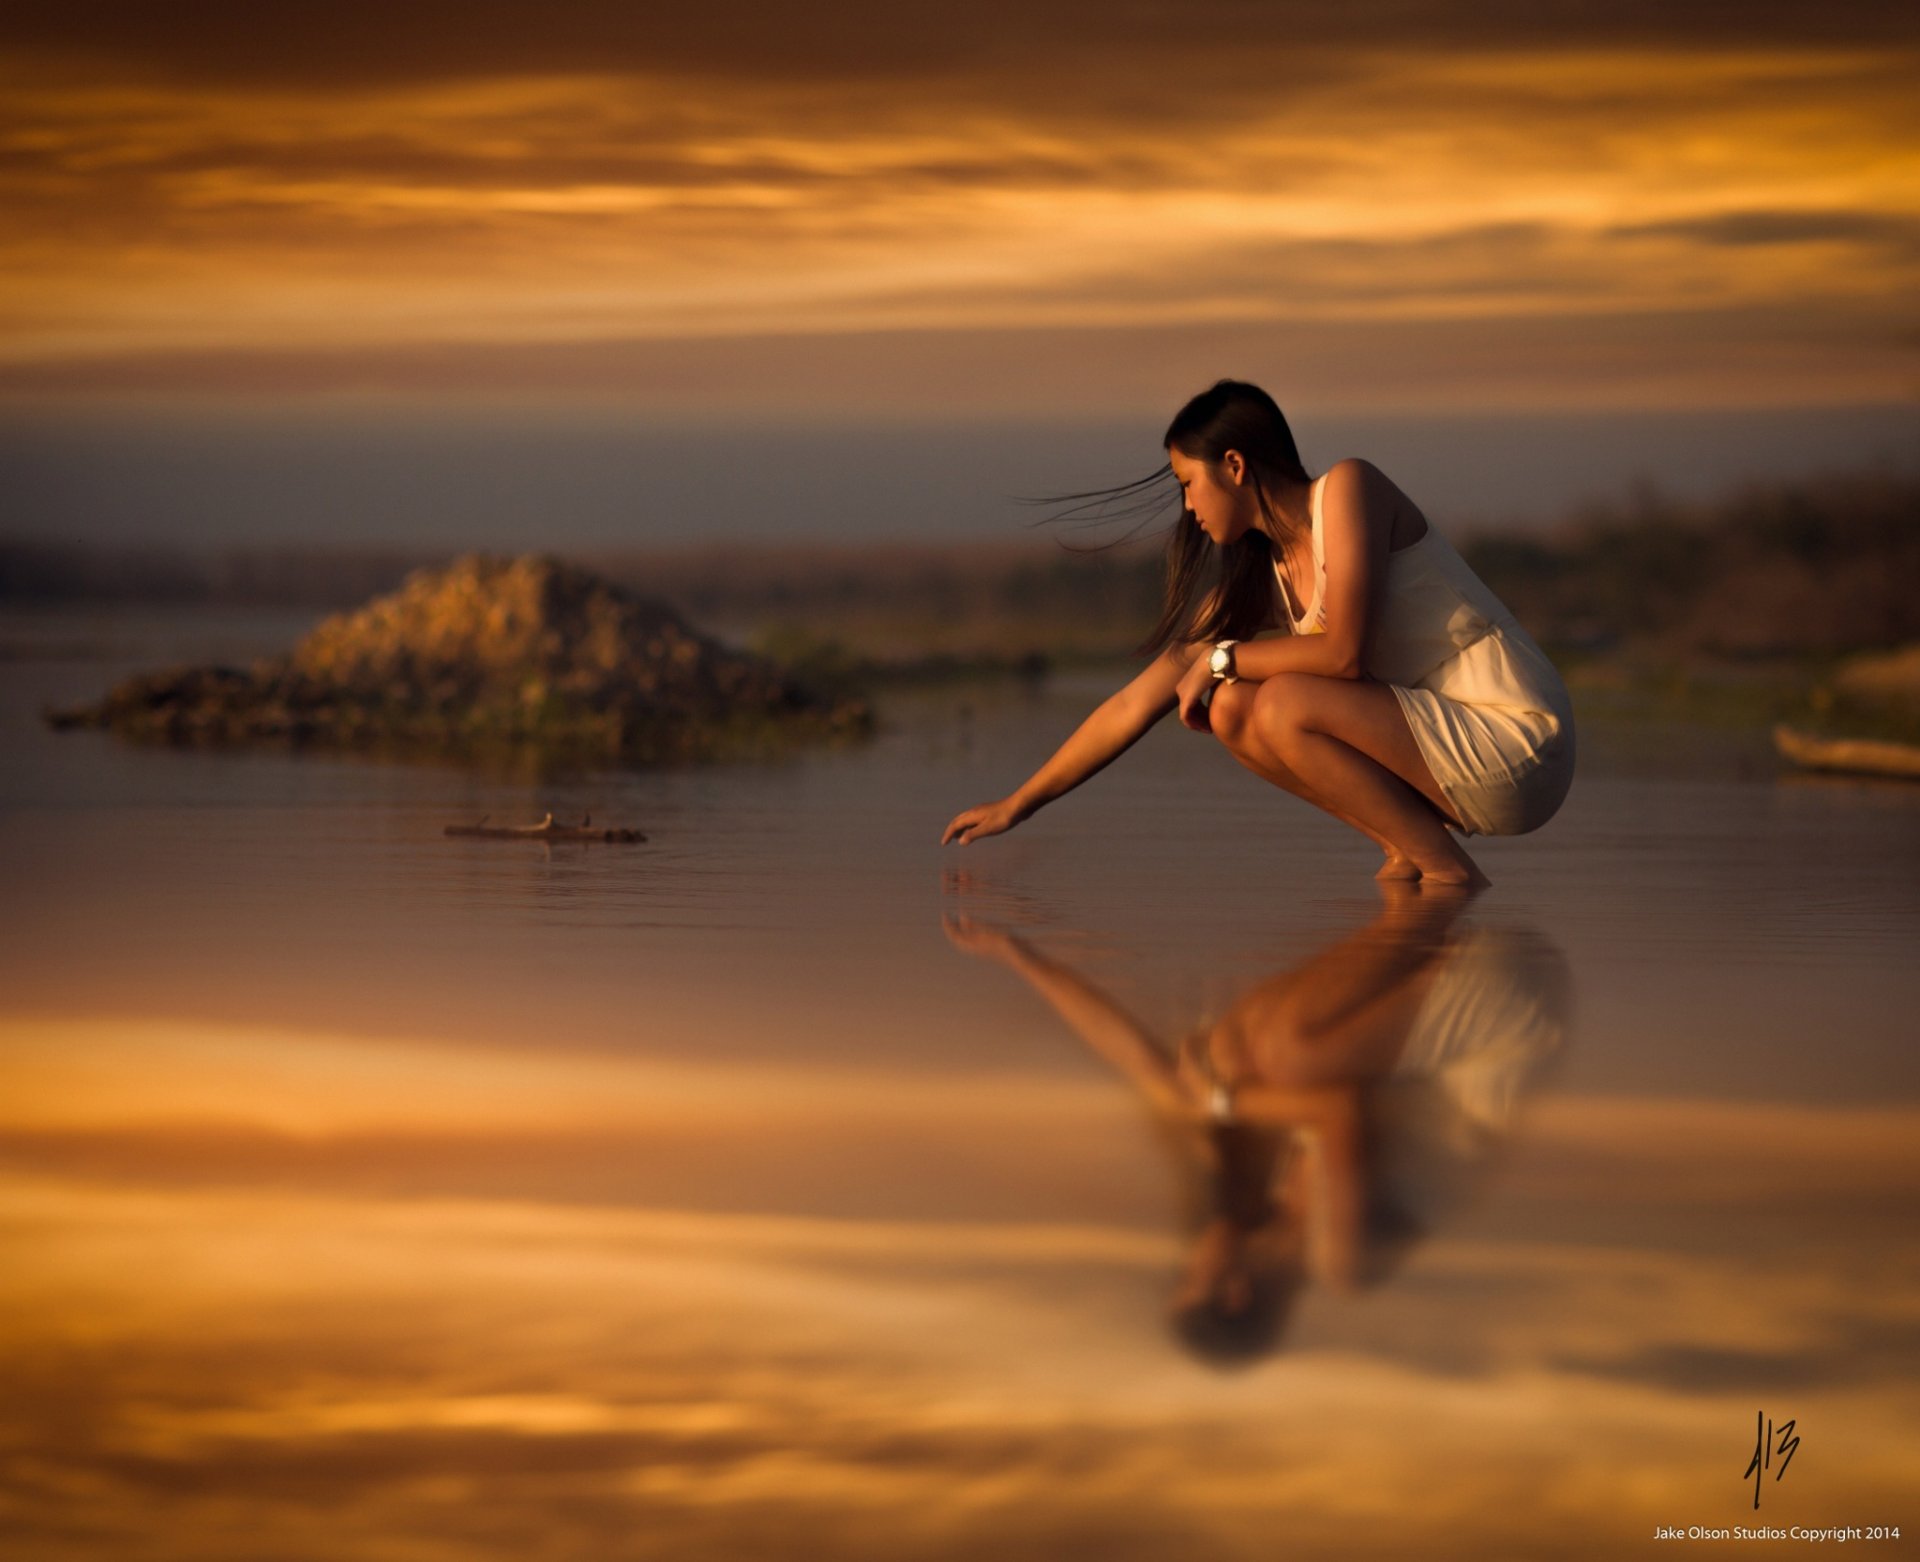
column 1346, row 653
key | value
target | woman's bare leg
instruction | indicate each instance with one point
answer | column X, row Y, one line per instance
column 1231, row 707
column 1347, row 738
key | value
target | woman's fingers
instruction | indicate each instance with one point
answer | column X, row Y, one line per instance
column 1195, row 695
column 963, row 826
column 977, row 823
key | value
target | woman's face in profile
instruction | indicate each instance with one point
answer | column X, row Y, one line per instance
column 1220, row 505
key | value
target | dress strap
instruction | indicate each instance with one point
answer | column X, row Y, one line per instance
column 1314, row 611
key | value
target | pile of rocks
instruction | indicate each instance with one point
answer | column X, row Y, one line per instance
column 489, row 651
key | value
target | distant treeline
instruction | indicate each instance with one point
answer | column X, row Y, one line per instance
column 1821, row 567
column 880, row 600
column 52, row 572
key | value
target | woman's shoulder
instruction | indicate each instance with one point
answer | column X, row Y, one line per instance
column 1357, row 487
column 1356, row 474
column 1354, row 490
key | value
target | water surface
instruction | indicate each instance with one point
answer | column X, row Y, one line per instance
column 788, row 1184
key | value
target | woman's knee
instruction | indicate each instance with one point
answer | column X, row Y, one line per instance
column 1230, row 711
column 1283, row 709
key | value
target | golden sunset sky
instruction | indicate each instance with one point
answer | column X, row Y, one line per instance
column 1007, row 207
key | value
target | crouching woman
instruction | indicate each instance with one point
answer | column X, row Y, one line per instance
column 1347, row 653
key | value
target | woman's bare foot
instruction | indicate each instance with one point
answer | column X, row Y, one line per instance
column 1466, row 876
column 1397, row 867
column 1455, row 870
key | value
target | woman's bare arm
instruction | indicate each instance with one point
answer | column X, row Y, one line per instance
column 1119, row 722
column 1100, row 1022
column 1356, row 525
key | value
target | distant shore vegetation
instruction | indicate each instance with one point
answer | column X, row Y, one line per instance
column 1775, row 586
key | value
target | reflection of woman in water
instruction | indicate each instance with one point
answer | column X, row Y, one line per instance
column 1400, row 696
column 1335, row 1107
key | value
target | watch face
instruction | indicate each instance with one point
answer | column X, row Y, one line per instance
column 1219, row 659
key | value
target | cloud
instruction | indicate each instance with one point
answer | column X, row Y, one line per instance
column 1841, row 354
column 1899, row 233
column 330, row 1371
column 862, row 40
column 623, row 177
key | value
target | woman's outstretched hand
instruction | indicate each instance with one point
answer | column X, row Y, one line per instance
column 978, row 823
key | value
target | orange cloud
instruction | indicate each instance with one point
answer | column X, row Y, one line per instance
column 329, row 1369
column 1526, row 189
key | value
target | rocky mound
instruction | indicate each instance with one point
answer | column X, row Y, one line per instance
column 485, row 651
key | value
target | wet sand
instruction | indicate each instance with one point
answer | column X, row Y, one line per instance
column 368, row 1194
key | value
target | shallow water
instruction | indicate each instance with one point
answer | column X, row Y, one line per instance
column 790, row 1184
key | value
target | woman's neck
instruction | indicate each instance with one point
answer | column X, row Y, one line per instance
column 1287, row 514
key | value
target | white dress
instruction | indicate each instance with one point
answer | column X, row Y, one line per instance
column 1488, row 710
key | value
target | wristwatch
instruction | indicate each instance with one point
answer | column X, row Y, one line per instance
column 1220, row 664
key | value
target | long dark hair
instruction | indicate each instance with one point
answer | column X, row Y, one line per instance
column 1238, row 602
column 1236, row 599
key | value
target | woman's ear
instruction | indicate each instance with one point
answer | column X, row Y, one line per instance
column 1235, row 466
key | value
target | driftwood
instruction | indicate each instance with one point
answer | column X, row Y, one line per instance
column 1857, row 756
column 545, row 830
